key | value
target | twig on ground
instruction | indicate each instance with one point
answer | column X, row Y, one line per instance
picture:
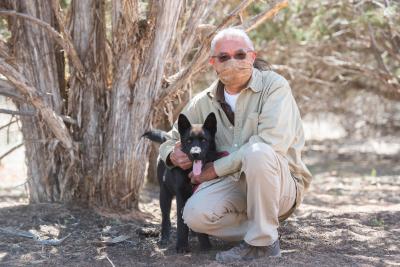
column 112, row 264
column 115, row 240
column 26, row 234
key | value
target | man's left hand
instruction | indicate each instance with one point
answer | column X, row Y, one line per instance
column 208, row 173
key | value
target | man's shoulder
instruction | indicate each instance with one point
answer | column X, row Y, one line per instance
column 273, row 83
column 199, row 102
column 273, row 78
column 204, row 95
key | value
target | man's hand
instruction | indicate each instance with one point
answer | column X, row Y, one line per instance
column 179, row 158
column 208, row 173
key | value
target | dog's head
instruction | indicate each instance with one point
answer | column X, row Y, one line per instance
column 197, row 139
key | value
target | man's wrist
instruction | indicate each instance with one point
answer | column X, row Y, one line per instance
column 214, row 172
column 198, row 180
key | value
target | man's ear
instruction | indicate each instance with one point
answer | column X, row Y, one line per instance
column 253, row 56
column 183, row 124
column 211, row 61
column 210, row 124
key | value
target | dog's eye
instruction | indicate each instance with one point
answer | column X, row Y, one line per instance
column 189, row 141
column 203, row 140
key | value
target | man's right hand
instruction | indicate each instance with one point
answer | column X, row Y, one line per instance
column 179, row 158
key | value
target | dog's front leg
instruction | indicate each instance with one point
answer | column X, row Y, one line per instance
column 165, row 204
column 182, row 244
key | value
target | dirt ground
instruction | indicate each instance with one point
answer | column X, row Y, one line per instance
column 350, row 217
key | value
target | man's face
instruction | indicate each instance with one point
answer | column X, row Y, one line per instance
column 231, row 47
column 233, row 61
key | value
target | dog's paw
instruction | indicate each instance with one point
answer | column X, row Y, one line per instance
column 192, row 233
column 205, row 246
column 204, row 242
column 182, row 249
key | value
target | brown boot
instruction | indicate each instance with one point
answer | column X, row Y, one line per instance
column 245, row 251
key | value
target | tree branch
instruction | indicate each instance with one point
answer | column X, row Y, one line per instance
column 65, row 43
column 124, row 18
column 267, row 14
column 392, row 86
column 376, row 50
column 67, row 119
column 193, row 14
column 8, row 90
column 164, row 16
column 17, row 112
column 10, row 151
column 380, row 74
column 4, row 49
column 8, row 124
column 180, row 79
column 54, row 121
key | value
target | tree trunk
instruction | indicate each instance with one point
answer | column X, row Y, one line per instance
column 93, row 91
column 111, row 157
column 41, row 64
column 134, row 89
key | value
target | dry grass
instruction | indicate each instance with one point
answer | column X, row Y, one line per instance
column 350, row 216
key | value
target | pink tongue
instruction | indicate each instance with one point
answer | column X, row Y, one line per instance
column 197, row 164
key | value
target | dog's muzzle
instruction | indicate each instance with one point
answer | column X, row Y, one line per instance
column 195, row 150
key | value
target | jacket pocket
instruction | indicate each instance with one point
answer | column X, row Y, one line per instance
column 250, row 126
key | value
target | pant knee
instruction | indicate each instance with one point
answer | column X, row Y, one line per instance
column 197, row 218
column 258, row 155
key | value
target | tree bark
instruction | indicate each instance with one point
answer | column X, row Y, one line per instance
column 87, row 94
column 90, row 95
column 38, row 65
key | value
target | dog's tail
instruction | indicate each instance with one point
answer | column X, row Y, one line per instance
column 156, row 135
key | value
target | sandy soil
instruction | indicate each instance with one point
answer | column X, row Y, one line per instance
column 350, row 217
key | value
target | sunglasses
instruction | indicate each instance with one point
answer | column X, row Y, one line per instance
column 239, row 55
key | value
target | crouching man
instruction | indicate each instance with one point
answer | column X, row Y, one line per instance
column 246, row 194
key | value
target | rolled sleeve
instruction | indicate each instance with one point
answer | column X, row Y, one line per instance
column 276, row 127
column 165, row 149
column 226, row 165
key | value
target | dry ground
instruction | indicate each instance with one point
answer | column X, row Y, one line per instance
column 350, row 216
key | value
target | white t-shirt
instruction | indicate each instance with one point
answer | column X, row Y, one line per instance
column 231, row 99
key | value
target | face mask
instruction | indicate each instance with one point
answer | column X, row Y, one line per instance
column 234, row 72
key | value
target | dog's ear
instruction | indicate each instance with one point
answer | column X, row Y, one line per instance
column 183, row 124
column 211, row 123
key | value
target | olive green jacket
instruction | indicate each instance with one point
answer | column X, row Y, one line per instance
column 265, row 111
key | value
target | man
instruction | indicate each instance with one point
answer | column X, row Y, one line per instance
column 244, row 195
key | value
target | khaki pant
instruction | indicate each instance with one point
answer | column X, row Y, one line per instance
column 247, row 209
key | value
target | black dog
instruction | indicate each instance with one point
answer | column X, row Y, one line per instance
column 198, row 142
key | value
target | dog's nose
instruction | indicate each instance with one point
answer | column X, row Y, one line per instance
column 195, row 151
column 195, row 155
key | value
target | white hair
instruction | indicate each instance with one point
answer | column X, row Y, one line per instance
column 231, row 34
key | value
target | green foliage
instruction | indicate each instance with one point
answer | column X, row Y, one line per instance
column 314, row 21
column 377, row 222
column 373, row 172
column 4, row 32
column 65, row 3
